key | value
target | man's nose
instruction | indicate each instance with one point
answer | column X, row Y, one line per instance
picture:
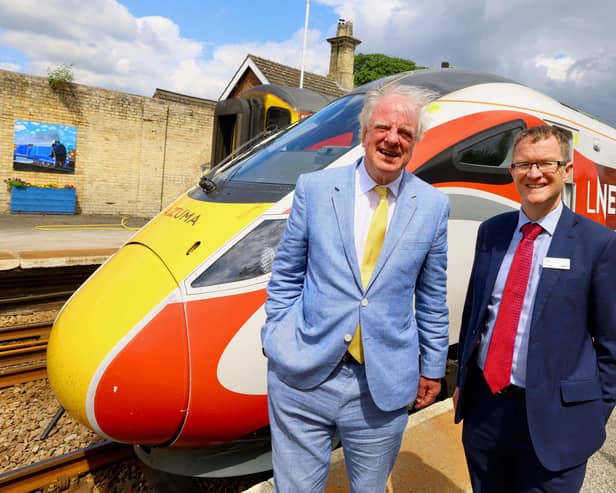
column 392, row 136
column 534, row 170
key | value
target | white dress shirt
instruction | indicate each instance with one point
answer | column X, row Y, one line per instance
column 366, row 200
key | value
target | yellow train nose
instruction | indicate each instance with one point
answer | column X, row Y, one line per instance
column 119, row 342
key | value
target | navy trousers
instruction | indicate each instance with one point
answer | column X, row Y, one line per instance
column 498, row 447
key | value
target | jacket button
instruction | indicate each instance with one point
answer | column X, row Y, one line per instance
column 348, row 338
column 364, row 302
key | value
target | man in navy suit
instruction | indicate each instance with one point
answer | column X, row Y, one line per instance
column 319, row 295
column 536, row 431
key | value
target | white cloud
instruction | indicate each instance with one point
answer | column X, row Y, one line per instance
column 13, row 67
column 111, row 48
column 108, row 47
column 517, row 40
column 208, row 78
column 69, row 19
column 559, row 68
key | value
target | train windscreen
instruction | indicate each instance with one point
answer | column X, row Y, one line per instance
column 313, row 144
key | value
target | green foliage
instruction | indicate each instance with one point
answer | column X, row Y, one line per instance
column 376, row 65
column 16, row 182
column 19, row 183
column 60, row 76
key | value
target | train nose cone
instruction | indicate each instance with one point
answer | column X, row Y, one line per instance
column 117, row 357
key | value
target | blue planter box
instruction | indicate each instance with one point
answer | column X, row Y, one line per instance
column 38, row 200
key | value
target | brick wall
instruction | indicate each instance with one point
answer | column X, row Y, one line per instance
column 134, row 154
column 248, row 80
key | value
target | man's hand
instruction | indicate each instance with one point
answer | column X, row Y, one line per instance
column 428, row 390
column 454, row 397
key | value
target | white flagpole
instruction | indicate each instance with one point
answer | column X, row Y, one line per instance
column 301, row 74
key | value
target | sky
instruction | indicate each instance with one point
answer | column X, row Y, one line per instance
column 564, row 48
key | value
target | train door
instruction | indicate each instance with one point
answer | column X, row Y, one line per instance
column 569, row 195
column 231, row 125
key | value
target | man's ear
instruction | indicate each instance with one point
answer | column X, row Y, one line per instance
column 568, row 169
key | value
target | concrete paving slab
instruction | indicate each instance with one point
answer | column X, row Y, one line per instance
column 39, row 240
column 30, row 259
column 8, row 260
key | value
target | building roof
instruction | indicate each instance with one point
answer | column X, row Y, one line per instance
column 181, row 98
column 269, row 72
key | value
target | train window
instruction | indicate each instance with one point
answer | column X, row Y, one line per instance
column 312, row 144
column 492, row 151
column 481, row 158
column 277, row 118
column 489, row 148
column 251, row 257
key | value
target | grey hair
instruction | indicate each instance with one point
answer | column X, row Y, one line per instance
column 417, row 98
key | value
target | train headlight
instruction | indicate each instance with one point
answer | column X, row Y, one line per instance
column 249, row 258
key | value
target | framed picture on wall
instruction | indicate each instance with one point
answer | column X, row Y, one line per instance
column 47, row 147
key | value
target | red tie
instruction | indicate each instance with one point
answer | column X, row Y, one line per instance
column 497, row 369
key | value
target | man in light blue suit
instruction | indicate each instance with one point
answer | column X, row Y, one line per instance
column 317, row 300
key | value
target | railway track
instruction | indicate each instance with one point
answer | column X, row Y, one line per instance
column 22, row 353
column 58, row 473
column 27, row 409
column 23, row 347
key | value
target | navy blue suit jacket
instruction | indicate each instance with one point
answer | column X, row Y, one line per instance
column 571, row 362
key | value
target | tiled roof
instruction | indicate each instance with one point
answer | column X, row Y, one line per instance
column 284, row 75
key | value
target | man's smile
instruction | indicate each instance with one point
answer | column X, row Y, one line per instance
column 387, row 153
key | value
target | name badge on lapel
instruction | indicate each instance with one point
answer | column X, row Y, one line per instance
column 556, row 263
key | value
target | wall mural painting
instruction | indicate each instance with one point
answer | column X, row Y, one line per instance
column 44, row 147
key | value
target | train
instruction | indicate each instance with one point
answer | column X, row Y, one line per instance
column 258, row 112
column 160, row 347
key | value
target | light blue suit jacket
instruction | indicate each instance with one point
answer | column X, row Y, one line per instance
column 316, row 299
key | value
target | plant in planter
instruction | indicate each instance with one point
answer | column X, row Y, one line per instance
column 16, row 182
column 41, row 199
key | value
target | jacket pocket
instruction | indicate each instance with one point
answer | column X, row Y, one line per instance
column 588, row 389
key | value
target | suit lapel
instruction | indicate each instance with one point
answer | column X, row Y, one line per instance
column 343, row 203
column 562, row 246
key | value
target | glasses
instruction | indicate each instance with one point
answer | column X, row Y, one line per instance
column 543, row 166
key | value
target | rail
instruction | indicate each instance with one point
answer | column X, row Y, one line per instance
column 22, row 353
column 34, row 298
column 59, row 471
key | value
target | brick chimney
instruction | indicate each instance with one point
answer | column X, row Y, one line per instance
column 342, row 57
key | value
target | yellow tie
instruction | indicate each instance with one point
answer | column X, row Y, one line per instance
column 374, row 242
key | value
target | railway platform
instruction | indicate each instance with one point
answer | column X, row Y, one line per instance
column 37, row 240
